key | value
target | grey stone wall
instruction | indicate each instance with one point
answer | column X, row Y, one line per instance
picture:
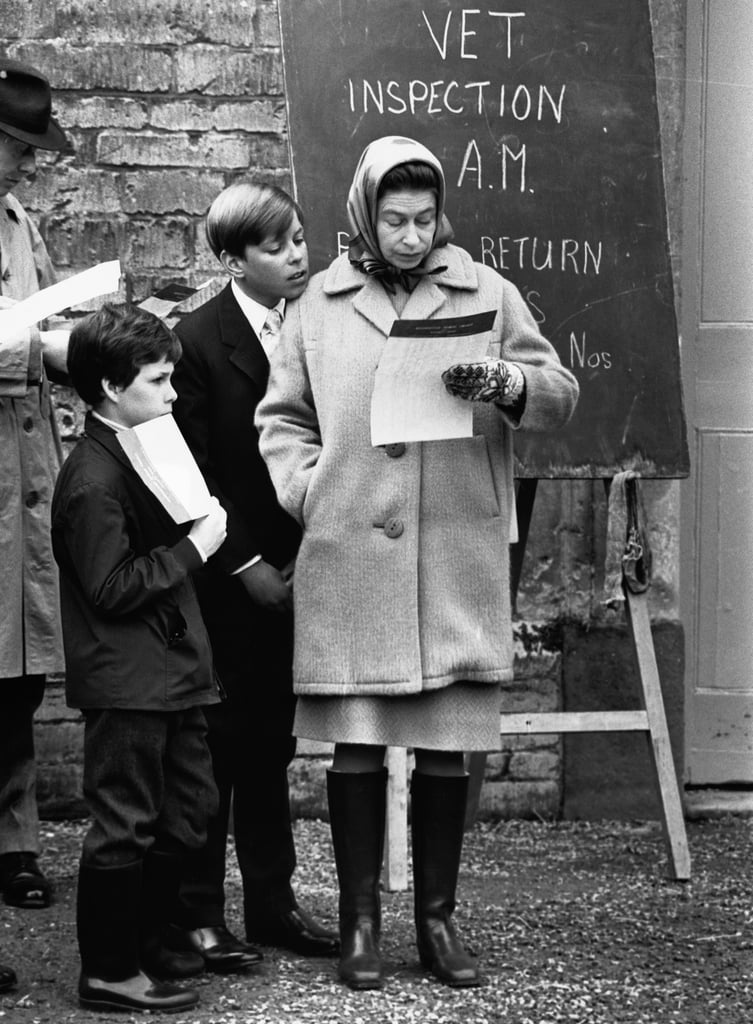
column 166, row 103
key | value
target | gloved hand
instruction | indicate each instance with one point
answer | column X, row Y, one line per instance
column 492, row 380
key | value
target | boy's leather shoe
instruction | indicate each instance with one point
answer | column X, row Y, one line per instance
column 293, row 929
column 137, row 993
column 221, row 951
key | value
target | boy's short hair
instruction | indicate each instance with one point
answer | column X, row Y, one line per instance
column 113, row 344
column 246, row 213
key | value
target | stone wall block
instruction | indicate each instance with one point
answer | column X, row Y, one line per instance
column 308, row 787
column 99, row 112
column 165, row 242
column 205, row 150
column 159, row 21
column 223, row 71
column 497, row 765
column 505, row 800
column 69, row 413
column 60, row 189
column 110, row 66
column 245, row 115
column 75, row 241
column 28, row 19
column 267, row 24
column 169, row 191
column 535, row 764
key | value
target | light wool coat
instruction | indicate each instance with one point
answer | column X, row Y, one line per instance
column 402, row 580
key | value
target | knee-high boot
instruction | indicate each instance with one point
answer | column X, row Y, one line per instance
column 108, row 904
column 356, row 813
column 437, row 817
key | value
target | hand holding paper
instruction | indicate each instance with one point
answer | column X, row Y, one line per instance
column 491, row 380
column 210, row 530
column 410, row 402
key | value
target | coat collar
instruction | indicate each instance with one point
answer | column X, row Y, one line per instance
column 237, row 334
column 373, row 302
column 106, row 436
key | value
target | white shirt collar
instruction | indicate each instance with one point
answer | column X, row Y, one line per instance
column 254, row 311
column 108, row 423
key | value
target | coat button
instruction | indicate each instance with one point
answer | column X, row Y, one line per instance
column 28, row 424
column 395, row 450
column 31, row 499
column 394, row 527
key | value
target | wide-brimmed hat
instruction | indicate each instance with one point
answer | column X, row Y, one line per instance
column 25, row 106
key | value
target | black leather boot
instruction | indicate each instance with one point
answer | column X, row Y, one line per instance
column 159, row 898
column 107, row 918
column 356, row 814
column 437, row 818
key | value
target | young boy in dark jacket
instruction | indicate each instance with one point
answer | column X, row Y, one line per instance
column 138, row 664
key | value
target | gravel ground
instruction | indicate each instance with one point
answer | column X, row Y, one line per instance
column 574, row 922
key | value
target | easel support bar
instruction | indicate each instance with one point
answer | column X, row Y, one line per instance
column 573, row 721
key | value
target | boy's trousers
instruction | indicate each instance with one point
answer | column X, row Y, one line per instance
column 148, row 783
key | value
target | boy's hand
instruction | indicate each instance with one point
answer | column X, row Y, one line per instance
column 267, row 588
column 210, row 531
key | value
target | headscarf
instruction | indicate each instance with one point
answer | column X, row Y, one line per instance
column 377, row 159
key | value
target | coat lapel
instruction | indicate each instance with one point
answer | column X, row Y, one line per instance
column 236, row 334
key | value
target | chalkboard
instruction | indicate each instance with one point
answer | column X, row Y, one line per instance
column 544, row 115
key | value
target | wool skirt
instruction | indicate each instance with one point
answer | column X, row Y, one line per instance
column 462, row 716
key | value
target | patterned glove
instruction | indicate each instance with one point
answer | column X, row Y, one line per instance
column 494, row 380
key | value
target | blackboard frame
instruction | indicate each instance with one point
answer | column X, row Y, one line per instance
column 554, row 177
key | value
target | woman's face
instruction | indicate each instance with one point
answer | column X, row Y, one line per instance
column 405, row 227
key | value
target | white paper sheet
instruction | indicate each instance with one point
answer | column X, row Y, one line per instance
column 100, row 280
column 410, row 402
column 158, row 452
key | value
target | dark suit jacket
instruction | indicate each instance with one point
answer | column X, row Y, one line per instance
column 220, row 379
column 133, row 633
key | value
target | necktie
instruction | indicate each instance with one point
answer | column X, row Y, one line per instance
column 272, row 326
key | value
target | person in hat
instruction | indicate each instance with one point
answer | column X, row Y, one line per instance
column 30, row 637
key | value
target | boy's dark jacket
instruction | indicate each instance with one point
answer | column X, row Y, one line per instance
column 133, row 633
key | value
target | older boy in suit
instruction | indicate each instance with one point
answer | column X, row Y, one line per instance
column 256, row 233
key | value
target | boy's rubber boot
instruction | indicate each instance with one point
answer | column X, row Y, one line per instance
column 437, row 821
column 108, row 904
column 357, row 814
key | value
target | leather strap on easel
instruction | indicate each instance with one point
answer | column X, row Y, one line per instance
column 628, row 555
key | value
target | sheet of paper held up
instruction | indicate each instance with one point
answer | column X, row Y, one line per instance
column 158, row 452
column 410, row 402
column 99, row 280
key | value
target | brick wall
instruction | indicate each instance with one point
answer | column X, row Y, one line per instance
column 167, row 102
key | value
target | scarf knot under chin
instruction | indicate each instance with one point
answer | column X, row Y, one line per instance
column 390, row 275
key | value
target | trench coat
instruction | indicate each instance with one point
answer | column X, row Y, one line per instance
column 30, row 636
column 402, row 578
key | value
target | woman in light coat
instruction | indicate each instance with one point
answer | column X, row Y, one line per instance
column 402, row 607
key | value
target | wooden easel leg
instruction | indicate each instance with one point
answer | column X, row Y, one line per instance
column 395, row 874
column 475, row 766
column 673, row 821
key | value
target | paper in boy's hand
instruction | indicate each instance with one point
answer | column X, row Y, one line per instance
column 158, row 452
column 410, row 401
